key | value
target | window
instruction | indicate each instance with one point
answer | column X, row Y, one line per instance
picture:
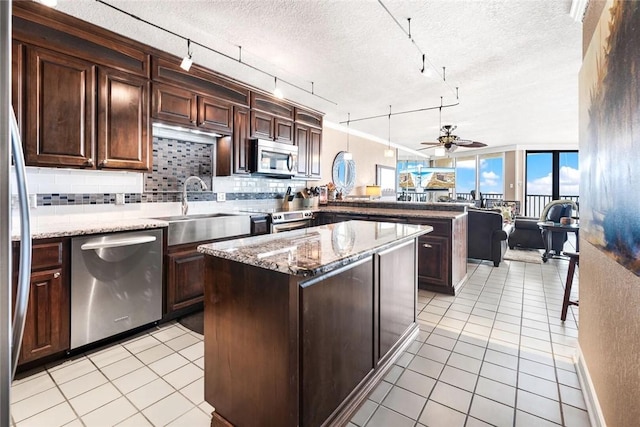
column 465, row 176
column 492, row 176
column 551, row 175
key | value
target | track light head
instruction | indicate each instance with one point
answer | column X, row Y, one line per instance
column 276, row 90
column 187, row 62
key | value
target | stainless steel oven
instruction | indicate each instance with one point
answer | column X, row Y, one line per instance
column 274, row 158
column 292, row 220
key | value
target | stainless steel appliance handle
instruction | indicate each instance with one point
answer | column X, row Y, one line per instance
column 290, row 162
column 291, row 226
column 24, row 275
column 116, row 242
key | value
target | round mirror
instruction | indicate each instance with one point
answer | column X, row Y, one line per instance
column 344, row 173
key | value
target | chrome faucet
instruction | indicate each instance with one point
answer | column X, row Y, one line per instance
column 185, row 205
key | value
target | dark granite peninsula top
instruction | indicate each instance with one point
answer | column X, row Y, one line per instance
column 316, row 250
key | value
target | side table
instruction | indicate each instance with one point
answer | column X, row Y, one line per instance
column 547, row 228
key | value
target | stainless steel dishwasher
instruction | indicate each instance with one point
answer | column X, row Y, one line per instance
column 116, row 283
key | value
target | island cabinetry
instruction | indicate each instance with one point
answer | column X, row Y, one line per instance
column 397, row 269
column 47, row 329
column 290, row 341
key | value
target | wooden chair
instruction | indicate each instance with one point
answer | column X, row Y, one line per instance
column 574, row 259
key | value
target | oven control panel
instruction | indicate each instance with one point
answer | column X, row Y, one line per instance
column 281, row 217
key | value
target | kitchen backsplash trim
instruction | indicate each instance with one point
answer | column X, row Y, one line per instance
column 70, row 199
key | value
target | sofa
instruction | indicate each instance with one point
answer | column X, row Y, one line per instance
column 487, row 235
column 526, row 233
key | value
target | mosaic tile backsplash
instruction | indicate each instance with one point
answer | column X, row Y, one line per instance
column 173, row 162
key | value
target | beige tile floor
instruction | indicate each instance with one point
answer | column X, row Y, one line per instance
column 496, row 354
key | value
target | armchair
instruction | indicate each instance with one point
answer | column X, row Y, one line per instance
column 487, row 235
column 526, row 233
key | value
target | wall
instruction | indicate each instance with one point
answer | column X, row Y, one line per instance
column 609, row 333
column 366, row 155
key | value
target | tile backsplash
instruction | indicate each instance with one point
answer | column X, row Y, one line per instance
column 76, row 191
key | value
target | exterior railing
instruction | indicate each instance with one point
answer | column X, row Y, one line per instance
column 535, row 203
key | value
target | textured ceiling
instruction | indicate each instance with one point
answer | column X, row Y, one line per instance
column 515, row 62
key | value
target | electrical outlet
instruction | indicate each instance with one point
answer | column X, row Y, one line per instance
column 222, row 197
column 119, row 198
column 14, row 201
column 33, row 201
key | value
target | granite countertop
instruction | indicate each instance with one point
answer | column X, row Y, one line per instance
column 46, row 231
column 315, row 250
column 409, row 213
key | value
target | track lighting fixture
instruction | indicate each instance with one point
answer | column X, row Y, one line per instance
column 187, row 61
column 388, row 152
column 276, row 90
column 347, row 154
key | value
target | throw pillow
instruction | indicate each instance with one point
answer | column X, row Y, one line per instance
column 555, row 213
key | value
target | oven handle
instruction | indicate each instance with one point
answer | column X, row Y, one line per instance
column 293, row 226
column 116, row 242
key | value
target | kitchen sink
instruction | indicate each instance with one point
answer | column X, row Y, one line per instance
column 201, row 227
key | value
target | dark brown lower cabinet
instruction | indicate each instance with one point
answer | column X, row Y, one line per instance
column 337, row 344
column 47, row 327
column 283, row 350
column 185, row 273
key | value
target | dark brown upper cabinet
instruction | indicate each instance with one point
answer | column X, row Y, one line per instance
column 309, row 141
column 59, row 119
column 124, row 139
column 186, row 108
column 232, row 152
column 271, row 119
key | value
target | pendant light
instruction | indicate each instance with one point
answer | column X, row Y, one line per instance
column 187, row 61
column 347, row 154
column 389, row 152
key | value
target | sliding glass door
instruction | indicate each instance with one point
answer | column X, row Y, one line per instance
column 551, row 175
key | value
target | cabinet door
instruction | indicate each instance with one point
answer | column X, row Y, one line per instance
column 215, row 114
column 397, row 294
column 124, row 139
column 185, row 276
column 283, row 130
column 241, row 147
column 174, row 105
column 313, row 152
column 434, row 262
column 261, row 125
column 302, row 141
column 47, row 324
column 60, row 110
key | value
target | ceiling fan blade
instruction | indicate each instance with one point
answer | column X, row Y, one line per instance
column 424, row 148
column 467, row 143
column 430, row 143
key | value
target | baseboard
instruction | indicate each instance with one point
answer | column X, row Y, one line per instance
column 588, row 391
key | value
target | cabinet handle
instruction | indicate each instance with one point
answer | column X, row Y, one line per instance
column 56, row 275
column 89, row 162
column 426, row 245
column 103, row 163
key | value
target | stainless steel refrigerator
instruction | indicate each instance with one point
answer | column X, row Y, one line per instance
column 10, row 148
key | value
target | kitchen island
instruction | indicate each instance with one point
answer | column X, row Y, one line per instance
column 300, row 326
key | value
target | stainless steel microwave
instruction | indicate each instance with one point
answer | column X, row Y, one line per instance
column 274, row 158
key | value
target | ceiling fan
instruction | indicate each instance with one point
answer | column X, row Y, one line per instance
column 451, row 142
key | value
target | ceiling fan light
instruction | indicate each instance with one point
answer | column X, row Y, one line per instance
column 440, row 152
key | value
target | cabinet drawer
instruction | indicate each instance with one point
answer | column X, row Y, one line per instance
column 46, row 255
column 440, row 227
